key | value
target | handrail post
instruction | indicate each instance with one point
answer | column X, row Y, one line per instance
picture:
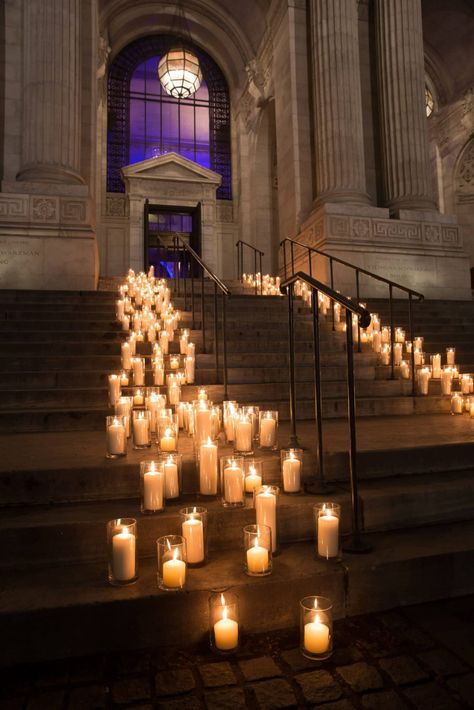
column 216, row 333
column 241, row 258
column 203, row 314
column 294, row 443
column 309, row 262
column 358, row 302
column 292, row 258
column 392, row 333
column 224, row 341
column 411, row 327
column 355, row 544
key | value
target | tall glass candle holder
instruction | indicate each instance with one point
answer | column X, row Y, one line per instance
column 243, row 439
column 172, row 468
column 316, row 628
column 447, row 376
column 450, row 356
column 168, row 438
column 138, row 397
column 229, row 408
column 208, row 471
column 152, row 486
column 224, row 622
column 216, row 421
column 123, row 408
column 252, row 411
column 266, row 507
column 116, row 437
column 466, row 383
column 268, row 430
column 171, row 551
column 457, row 403
column 174, row 393
column 291, row 470
column 253, row 469
column 174, row 362
column 327, row 518
column 138, row 369
column 258, row 550
column 232, row 481
column 423, row 380
column 435, row 366
column 141, row 429
column 202, row 421
column 122, row 551
column 194, row 531
column 114, row 389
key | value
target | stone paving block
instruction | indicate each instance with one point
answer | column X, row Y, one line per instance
column 191, row 702
column 403, row 670
column 344, row 656
column 258, row 668
column 297, row 661
column 174, row 682
column 133, row 663
column 464, row 686
column 386, row 700
column 216, row 674
column 274, row 694
column 360, row 676
column 52, row 700
column 229, row 699
column 417, row 639
column 92, row 697
column 319, row 686
column 128, row 690
column 442, row 662
column 430, row 696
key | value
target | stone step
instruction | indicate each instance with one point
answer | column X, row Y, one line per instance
column 76, row 533
column 71, row 611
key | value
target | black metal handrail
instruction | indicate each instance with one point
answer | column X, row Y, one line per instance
column 190, row 259
column 240, row 244
column 359, row 270
column 363, row 315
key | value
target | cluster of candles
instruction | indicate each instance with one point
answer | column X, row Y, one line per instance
column 265, row 284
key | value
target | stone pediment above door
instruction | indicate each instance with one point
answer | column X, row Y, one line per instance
column 170, row 167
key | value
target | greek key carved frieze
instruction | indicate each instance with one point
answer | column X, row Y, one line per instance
column 392, row 229
column 451, row 235
column 340, row 226
column 13, row 207
column 432, row 233
column 73, row 211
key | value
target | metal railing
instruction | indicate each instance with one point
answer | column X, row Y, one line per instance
column 357, row 272
column 185, row 260
column 318, row 486
column 257, row 255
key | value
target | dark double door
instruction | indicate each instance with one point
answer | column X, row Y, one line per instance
column 161, row 225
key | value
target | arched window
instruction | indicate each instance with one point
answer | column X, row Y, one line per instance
column 144, row 122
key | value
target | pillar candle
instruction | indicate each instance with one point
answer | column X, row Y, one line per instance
column 183, row 344
column 158, row 375
column 174, row 392
column 397, row 353
column 457, row 403
column 123, row 379
column 125, row 323
column 171, row 478
column 193, row 533
column 418, row 355
column 404, row 370
column 233, row 484
column 138, row 398
column 423, row 380
column 114, row 388
column 328, row 535
column 226, row 632
column 436, row 365
column 168, row 441
column 123, row 408
column 267, row 432
column 376, row 341
column 252, row 480
column 189, row 366
column 257, row 558
column 450, row 355
column 138, row 371
column 291, row 474
column 153, row 489
column 123, row 556
column 120, row 309
column 265, row 508
column 203, row 423
column 164, row 340
column 141, row 433
column 466, row 384
column 126, row 356
column 208, row 469
column 243, row 435
column 316, row 636
column 116, row 438
column 174, row 573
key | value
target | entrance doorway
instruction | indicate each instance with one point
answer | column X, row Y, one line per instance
column 161, row 225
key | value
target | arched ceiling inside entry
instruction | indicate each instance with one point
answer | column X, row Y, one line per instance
column 229, row 31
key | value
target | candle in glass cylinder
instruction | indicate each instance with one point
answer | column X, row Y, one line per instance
column 116, row 438
column 125, row 323
column 202, row 429
column 141, row 429
column 119, row 309
column 397, row 353
column 174, row 572
column 376, row 341
column 174, row 393
column 446, row 380
column 193, row 533
column 123, row 379
column 208, row 468
column 226, row 632
column 183, row 342
column 252, row 480
column 138, row 365
column 316, row 636
column 126, row 355
column 158, row 373
column 291, row 473
column 466, row 384
column 233, row 483
column 153, row 488
column 450, row 356
column 265, row 508
column 114, row 388
column 170, row 469
column 267, row 431
column 168, row 440
column 123, row 555
column 243, row 434
column 189, row 366
column 436, row 366
column 138, row 398
column 424, row 375
column 164, row 340
column 457, row 404
column 257, row 558
column 328, row 533
column 404, row 370
column 202, row 395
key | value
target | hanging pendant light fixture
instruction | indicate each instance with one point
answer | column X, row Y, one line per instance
column 178, row 70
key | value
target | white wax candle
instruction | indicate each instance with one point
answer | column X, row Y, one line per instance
column 208, row 469
column 174, row 573
column 450, row 355
column 126, row 356
column 123, row 556
column 125, row 323
column 243, row 435
column 436, row 365
column 423, row 381
column 153, row 490
column 328, row 535
column 267, row 432
column 138, row 371
column 397, row 353
column 164, row 340
column 114, row 388
column 158, row 375
column 229, row 429
column 466, row 382
column 265, row 508
column 193, row 533
column 203, row 424
column 446, row 381
column 376, row 341
column 189, row 366
column 316, row 636
column 457, row 404
column 173, row 393
column 252, row 480
column 183, row 344
column 418, row 355
column 138, row 398
column 291, row 474
column 233, row 484
column 116, row 438
column 226, row 633
column 141, row 431
column 257, row 558
column 168, row 441
column 171, row 479
column 120, row 309
column 404, row 370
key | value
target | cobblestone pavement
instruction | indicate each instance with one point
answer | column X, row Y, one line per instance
column 415, row 657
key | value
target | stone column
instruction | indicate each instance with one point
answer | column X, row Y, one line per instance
column 339, row 145
column 401, row 87
column 52, row 92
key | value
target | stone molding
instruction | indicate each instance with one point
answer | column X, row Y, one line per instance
column 224, row 211
column 40, row 210
column 116, row 206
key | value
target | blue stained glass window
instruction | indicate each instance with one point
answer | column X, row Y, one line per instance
column 145, row 122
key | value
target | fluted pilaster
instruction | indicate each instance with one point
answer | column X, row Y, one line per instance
column 52, row 86
column 340, row 164
column 401, row 84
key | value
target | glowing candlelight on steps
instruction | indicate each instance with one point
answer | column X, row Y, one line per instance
column 316, row 634
column 226, row 631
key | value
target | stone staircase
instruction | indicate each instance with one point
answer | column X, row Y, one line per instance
column 58, row 490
